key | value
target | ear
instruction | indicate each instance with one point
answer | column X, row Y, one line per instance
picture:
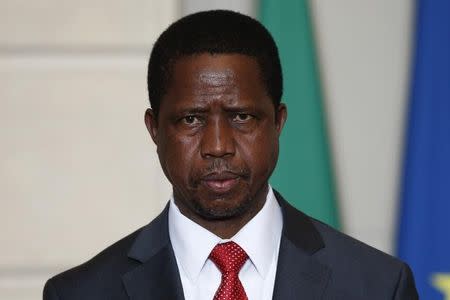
column 280, row 117
column 151, row 121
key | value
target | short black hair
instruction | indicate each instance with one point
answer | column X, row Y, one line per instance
column 214, row 32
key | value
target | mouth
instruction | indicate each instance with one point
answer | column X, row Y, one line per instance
column 221, row 182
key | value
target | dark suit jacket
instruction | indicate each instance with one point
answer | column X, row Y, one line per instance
column 315, row 262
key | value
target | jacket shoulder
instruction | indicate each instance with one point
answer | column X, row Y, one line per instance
column 346, row 249
column 358, row 267
column 356, row 270
column 97, row 277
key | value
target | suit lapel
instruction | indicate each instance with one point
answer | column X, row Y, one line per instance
column 157, row 276
column 299, row 274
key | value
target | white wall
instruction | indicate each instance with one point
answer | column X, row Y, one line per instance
column 248, row 7
column 364, row 50
column 74, row 149
column 77, row 168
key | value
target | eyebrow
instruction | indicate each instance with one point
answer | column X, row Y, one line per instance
column 204, row 109
column 241, row 108
column 192, row 110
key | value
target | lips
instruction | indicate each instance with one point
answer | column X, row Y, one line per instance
column 221, row 182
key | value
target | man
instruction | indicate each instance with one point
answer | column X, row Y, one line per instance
column 215, row 86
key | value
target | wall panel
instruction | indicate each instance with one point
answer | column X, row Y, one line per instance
column 78, row 170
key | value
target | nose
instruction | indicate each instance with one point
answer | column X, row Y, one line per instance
column 217, row 139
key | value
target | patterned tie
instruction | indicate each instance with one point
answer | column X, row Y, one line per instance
column 229, row 258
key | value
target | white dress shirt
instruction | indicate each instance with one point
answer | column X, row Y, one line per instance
column 260, row 238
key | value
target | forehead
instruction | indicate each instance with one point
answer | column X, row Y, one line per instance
column 221, row 66
column 215, row 75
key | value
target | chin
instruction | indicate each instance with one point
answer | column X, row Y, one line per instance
column 222, row 208
column 220, row 213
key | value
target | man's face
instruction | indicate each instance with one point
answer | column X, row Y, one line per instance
column 217, row 135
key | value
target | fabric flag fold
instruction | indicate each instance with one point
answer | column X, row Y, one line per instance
column 303, row 174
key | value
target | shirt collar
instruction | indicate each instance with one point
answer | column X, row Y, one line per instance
column 259, row 238
column 191, row 243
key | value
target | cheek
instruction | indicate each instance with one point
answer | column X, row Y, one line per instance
column 260, row 151
column 177, row 154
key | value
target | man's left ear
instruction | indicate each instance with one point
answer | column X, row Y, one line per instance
column 151, row 122
column 281, row 117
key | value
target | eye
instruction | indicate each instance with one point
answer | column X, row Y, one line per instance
column 190, row 120
column 242, row 117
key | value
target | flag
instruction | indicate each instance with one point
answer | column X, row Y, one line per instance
column 424, row 231
column 303, row 173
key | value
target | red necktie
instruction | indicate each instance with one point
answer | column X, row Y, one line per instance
column 229, row 258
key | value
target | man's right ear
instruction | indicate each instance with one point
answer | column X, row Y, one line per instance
column 151, row 121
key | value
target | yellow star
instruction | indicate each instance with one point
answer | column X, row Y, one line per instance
column 441, row 281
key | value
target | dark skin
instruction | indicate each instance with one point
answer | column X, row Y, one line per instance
column 217, row 135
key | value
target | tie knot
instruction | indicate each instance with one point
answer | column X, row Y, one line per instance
column 229, row 257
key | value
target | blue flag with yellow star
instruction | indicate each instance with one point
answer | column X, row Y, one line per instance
column 424, row 233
